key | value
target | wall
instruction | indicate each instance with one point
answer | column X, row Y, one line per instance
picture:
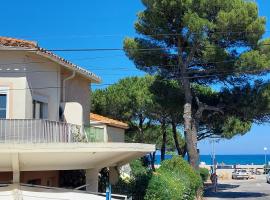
column 47, row 178
column 48, row 83
column 77, row 90
column 21, row 71
column 115, row 134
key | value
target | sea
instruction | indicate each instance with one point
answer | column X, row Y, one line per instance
column 228, row 159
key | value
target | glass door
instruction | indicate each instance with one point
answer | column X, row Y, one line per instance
column 3, row 106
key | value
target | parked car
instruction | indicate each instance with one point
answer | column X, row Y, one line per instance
column 268, row 177
column 240, row 174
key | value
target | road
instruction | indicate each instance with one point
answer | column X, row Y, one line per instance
column 256, row 189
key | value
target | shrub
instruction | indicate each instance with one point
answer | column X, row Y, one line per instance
column 138, row 167
column 137, row 184
column 204, row 173
column 176, row 180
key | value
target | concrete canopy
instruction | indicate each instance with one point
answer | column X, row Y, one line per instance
column 60, row 156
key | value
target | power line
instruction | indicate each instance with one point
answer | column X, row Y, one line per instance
column 38, row 88
column 240, row 31
column 208, row 75
column 128, row 68
column 122, row 49
column 187, row 77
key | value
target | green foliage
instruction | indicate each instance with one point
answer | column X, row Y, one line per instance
column 168, row 99
column 138, row 183
column 235, row 126
column 214, row 41
column 142, row 99
column 176, row 180
column 153, row 135
column 204, row 173
column 203, row 42
column 130, row 98
column 215, row 28
column 167, row 185
column 138, row 168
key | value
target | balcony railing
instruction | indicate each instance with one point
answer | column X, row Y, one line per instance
column 45, row 131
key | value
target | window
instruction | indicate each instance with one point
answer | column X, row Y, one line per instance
column 40, row 110
column 3, row 103
column 95, row 134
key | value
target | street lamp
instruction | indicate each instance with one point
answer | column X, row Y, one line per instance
column 265, row 150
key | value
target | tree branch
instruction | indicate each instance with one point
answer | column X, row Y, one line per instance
column 202, row 107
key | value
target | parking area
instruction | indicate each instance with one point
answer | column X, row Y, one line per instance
column 253, row 189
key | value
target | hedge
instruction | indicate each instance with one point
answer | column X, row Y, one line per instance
column 174, row 180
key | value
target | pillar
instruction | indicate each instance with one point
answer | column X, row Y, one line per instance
column 91, row 176
column 15, row 168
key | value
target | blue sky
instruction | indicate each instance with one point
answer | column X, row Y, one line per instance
column 103, row 24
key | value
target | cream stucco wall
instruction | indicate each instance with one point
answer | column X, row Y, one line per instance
column 26, row 76
column 29, row 76
column 15, row 97
column 77, row 90
column 47, row 81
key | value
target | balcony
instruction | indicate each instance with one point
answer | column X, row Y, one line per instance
column 45, row 131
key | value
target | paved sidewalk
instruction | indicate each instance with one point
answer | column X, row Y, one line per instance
column 256, row 189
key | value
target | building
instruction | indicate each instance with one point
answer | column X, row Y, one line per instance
column 111, row 130
column 44, row 119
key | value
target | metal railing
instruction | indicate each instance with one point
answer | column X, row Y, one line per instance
column 39, row 131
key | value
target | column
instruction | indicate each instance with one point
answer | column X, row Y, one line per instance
column 92, row 179
column 15, row 168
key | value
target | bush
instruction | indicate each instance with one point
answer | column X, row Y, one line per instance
column 138, row 167
column 175, row 180
column 204, row 173
column 136, row 186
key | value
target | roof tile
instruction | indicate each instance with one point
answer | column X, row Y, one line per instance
column 109, row 121
column 33, row 46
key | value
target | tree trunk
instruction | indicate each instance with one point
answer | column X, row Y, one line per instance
column 164, row 140
column 189, row 126
column 176, row 142
column 140, row 139
column 189, row 131
column 152, row 160
column 184, row 151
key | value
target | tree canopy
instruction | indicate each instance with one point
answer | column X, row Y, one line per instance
column 202, row 42
column 151, row 118
column 153, row 106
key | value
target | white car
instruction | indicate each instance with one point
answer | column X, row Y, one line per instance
column 268, row 177
column 240, row 174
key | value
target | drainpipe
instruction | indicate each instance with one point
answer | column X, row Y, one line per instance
column 64, row 84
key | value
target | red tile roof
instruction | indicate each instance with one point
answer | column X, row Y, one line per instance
column 108, row 121
column 33, row 46
column 13, row 42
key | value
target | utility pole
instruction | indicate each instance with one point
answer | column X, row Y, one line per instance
column 213, row 141
column 265, row 151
